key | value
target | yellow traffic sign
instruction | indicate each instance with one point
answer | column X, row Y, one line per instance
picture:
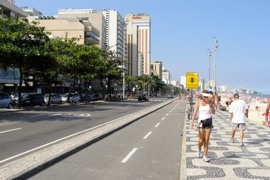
column 192, row 80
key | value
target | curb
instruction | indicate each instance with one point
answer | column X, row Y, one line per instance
column 51, row 153
column 183, row 168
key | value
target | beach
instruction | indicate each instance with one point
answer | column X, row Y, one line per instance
column 257, row 106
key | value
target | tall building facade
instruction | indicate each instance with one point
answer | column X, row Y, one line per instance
column 143, row 24
column 94, row 17
column 156, row 69
column 9, row 9
column 115, row 33
column 166, row 76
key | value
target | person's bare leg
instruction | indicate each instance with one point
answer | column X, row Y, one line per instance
column 201, row 138
column 241, row 137
column 206, row 141
column 232, row 136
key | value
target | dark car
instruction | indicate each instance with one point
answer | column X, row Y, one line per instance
column 86, row 97
column 32, row 99
column 143, row 97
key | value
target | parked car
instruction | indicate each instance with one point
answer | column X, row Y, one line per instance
column 5, row 100
column 86, row 97
column 55, row 98
column 74, row 97
column 169, row 95
column 143, row 97
column 32, row 99
column 97, row 97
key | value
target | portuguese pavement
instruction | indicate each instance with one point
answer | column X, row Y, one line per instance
column 228, row 160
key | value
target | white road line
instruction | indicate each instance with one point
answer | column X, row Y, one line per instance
column 58, row 140
column 147, row 135
column 163, row 118
column 167, row 114
column 157, row 124
column 36, row 115
column 2, row 132
column 129, row 155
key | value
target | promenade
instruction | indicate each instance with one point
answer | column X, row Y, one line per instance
column 228, row 160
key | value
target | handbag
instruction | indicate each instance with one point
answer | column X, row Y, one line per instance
column 207, row 123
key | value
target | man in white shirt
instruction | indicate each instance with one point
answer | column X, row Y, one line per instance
column 239, row 113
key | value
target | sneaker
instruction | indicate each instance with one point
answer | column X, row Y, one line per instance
column 232, row 140
column 242, row 144
column 200, row 154
column 206, row 159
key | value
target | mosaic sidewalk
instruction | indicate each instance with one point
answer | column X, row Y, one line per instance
column 228, row 160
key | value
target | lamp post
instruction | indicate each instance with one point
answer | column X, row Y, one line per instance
column 215, row 61
column 209, row 56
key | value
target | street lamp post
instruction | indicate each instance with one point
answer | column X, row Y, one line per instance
column 215, row 61
column 209, row 56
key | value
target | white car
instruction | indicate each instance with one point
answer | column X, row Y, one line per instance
column 55, row 98
column 169, row 96
column 74, row 97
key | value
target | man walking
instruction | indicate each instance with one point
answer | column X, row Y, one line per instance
column 239, row 113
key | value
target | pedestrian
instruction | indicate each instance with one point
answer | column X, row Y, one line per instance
column 205, row 107
column 267, row 112
column 239, row 113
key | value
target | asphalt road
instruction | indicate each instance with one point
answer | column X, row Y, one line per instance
column 23, row 132
column 149, row 148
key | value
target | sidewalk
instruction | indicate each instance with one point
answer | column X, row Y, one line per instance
column 228, row 160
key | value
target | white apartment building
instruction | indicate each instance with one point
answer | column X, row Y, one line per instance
column 142, row 23
column 183, row 81
column 166, row 76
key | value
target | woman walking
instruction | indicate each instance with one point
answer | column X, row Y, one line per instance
column 205, row 107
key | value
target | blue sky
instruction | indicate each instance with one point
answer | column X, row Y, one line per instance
column 182, row 31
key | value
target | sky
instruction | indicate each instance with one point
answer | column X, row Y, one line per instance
column 182, row 31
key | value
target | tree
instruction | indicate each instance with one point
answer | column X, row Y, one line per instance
column 23, row 47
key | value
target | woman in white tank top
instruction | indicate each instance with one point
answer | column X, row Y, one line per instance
column 205, row 107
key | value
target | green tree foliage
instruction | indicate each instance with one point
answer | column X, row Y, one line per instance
column 23, row 46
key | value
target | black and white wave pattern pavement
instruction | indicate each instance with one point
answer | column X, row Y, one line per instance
column 229, row 160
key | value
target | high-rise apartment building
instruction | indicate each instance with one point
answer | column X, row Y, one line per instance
column 94, row 17
column 9, row 9
column 31, row 11
column 110, row 24
column 140, row 39
column 166, row 76
column 156, row 69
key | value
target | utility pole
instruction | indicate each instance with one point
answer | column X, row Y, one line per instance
column 215, row 64
column 209, row 77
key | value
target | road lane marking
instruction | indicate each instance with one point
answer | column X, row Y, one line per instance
column 147, row 135
column 157, row 124
column 129, row 155
column 36, row 115
column 64, row 138
column 167, row 114
column 163, row 118
column 2, row 132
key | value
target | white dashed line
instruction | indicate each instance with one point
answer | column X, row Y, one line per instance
column 163, row 118
column 167, row 114
column 147, row 135
column 2, row 132
column 129, row 155
column 157, row 124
